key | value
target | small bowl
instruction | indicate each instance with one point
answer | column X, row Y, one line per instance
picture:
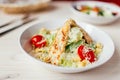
column 96, row 19
column 94, row 32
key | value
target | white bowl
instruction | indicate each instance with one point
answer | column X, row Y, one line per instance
column 96, row 19
column 94, row 32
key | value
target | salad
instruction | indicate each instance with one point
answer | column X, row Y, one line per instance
column 96, row 10
column 68, row 46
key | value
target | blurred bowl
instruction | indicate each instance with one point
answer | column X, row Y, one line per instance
column 95, row 33
column 93, row 18
column 22, row 6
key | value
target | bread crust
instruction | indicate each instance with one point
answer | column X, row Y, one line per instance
column 25, row 8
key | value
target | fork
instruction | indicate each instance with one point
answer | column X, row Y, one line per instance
column 12, row 25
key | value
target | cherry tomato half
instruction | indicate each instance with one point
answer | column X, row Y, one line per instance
column 36, row 38
column 90, row 56
column 86, row 53
column 38, row 41
column 80, row 52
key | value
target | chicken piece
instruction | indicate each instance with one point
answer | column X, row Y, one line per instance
column 72, row 23
column 60, row 41
column 86, row 36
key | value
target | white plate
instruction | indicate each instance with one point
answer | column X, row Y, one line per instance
column 97, row 35
column 96, row 19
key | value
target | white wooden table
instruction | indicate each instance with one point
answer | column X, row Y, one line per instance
column 14, row 65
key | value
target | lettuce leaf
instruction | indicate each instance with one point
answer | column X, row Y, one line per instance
column 73, row 46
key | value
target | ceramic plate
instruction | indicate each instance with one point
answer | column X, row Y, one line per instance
column 97, row 35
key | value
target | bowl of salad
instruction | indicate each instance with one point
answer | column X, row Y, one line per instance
column 66, row 47
column 96, row 12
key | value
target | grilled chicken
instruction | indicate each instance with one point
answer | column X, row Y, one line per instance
column 86, row 36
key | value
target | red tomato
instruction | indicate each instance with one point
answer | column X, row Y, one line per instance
column 90, row 56
column 37, row 41
column 36, row 38
column 80, row 52
column 86, row 53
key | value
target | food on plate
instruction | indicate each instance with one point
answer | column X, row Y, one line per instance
column 95, row 10
column 68, row 46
